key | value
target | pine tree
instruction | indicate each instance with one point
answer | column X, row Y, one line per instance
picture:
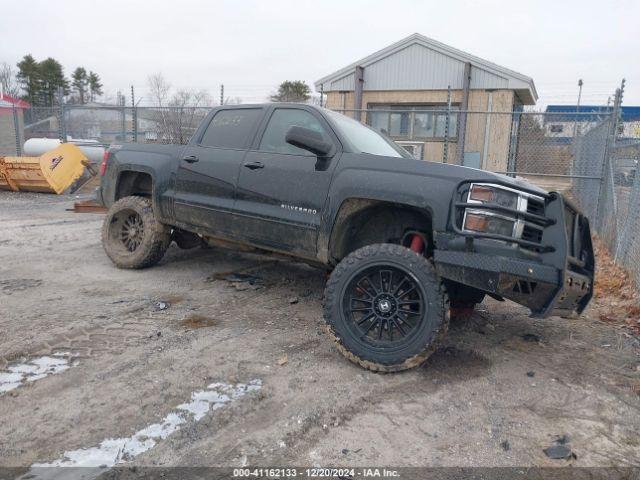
column 292, row 91
column 52, row 78
column 80, row 82
column 95, row 87
column 29, row 79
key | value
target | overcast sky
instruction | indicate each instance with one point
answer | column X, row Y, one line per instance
column 251, row 46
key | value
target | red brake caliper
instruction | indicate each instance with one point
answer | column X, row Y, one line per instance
column 417, row 244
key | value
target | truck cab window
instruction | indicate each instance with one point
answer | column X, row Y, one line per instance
column 282, row 119
column 231, row 128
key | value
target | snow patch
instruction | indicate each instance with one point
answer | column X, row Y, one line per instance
column 116, row 451
column 17, row 374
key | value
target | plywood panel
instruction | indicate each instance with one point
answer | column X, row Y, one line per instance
column 339, row 100
column 433, row 151
column 499, row 132
column 474, row 136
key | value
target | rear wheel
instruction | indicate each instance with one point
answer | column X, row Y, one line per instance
column 386, row 307
column 131, row 235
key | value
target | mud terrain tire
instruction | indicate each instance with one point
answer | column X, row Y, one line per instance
column 347, row 292
column 131, row 236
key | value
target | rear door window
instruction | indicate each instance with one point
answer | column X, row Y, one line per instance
column 231, row 128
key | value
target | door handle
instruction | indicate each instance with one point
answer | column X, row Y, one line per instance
column 254, row 165
column 191, row 159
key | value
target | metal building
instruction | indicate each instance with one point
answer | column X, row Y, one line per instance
column 418, row 91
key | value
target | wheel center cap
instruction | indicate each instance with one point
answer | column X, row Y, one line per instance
column 133, row 232
column 384, row 305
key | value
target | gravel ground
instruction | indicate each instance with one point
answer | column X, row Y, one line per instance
column 500, row 390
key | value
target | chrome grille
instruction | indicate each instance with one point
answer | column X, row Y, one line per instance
column 532, row 234
column 528, row 215
column 535, row 207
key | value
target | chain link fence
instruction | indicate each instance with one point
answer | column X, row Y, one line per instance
column 11, row 127
column 556, row 151
column 619, row 211
column 108, row 124
column 591, row 157
column 609, row 150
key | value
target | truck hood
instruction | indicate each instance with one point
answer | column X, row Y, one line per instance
column 460, row 173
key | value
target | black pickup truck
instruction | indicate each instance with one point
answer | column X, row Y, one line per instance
column 407, row 241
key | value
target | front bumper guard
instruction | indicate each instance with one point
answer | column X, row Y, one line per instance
column 544, row 289
column 558, row 281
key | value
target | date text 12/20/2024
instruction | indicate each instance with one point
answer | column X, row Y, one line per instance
column 315, row 473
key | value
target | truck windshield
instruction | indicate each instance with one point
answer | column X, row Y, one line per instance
column 365, row 139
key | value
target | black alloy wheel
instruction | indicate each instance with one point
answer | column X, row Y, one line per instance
column 384, row 304
column 386, row 307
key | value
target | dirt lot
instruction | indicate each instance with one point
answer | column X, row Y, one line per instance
column 136, row 345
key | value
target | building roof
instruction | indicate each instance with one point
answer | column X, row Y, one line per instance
column 421, row 63
column 8, row 102
column 589, row 113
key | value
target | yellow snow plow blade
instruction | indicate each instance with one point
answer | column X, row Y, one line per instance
column 52, row 172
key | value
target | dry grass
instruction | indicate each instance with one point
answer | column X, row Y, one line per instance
column 616, row 297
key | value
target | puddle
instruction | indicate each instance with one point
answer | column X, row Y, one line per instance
column 17, row 374
column 198, row 321
column 116, row 451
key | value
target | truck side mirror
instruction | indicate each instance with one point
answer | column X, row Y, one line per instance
column 309, row 140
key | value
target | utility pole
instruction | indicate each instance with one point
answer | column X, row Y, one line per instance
column 445, row 149
column 575, row 124
column 624, row 81
column 16, row 129
column 62, row 131
column 575, row 128
column 462, row 119
column 625, row 235
column 123, row 126
column 221, row 94
column 608, row 151
column 134, row 115
column 617, row 110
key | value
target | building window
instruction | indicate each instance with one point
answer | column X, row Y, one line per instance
column 556, row 128
column 414, row 122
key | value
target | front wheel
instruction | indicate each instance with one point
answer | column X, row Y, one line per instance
column 386, row 308
column 131, row 235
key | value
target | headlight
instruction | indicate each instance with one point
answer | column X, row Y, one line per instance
column 487, row 223
column 500, row 212
column 499, row 196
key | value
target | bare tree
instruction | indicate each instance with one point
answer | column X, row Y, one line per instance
column 232, row 101
column 178, row 113
column 159, row 89
column 186, row 112
column 8, row 80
